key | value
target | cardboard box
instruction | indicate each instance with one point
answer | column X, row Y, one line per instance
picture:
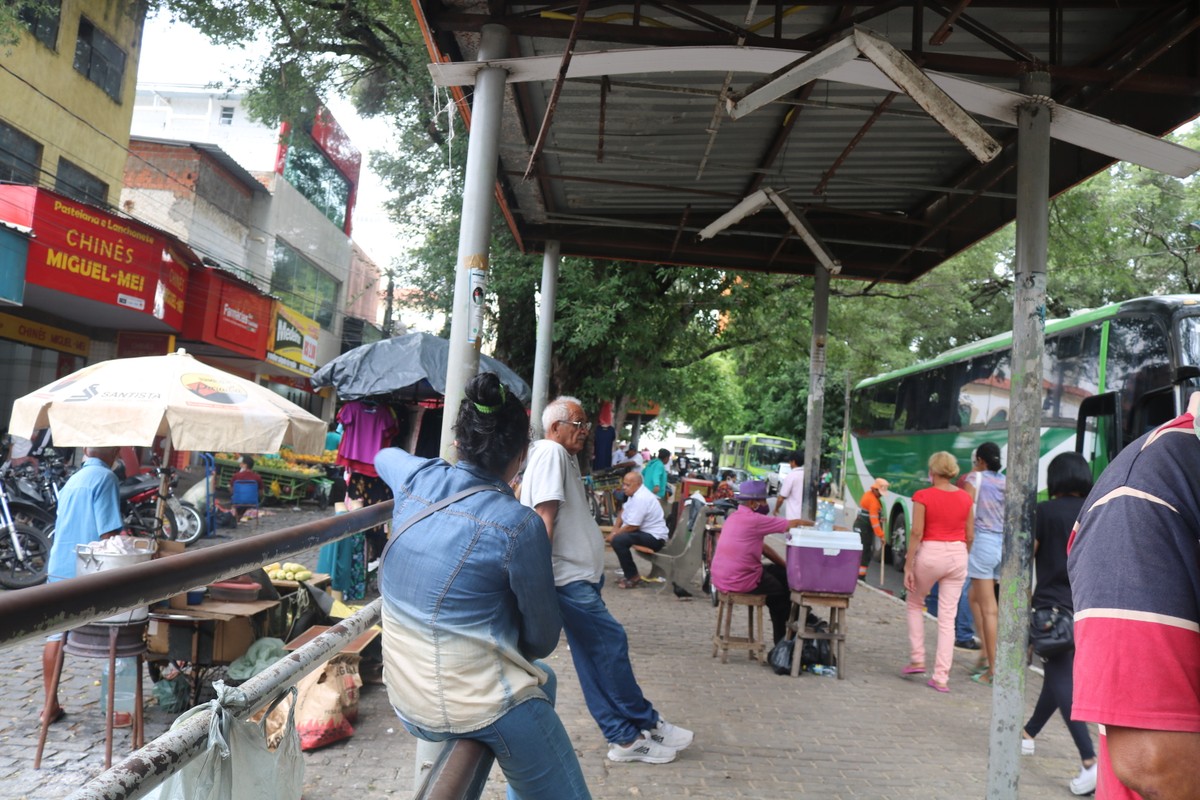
column 210, row 633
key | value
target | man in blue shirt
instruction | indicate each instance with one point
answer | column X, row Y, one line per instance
column 89, row 509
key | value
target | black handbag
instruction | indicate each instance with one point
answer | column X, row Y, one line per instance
column 1051, row 631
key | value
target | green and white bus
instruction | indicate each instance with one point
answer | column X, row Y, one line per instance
column 1108, row 375
column 755, row 453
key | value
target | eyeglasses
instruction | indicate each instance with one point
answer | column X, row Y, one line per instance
column 583, row 426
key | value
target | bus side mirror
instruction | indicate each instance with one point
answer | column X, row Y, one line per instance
column 1186, row 373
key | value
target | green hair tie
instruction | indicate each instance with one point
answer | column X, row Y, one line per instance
column 493, row 409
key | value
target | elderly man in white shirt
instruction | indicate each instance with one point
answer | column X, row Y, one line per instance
column 641, row 521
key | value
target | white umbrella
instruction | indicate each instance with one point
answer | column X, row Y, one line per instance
column 130, row 401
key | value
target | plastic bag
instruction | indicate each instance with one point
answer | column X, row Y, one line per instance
column 780, row 657
column 237, row 763
column 172, row 693
column 260, row 655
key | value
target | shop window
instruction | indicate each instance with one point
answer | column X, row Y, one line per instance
column 79, row 184
column 19, row 156
column 41, row 18
column 303, row 286
column 226, row 115
column 99, row 59
column 315, row 177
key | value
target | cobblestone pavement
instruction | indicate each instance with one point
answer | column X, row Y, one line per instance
column 758, row 735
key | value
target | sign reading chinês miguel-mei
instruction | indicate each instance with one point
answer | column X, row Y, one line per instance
column 86, row 252
column 294, row 339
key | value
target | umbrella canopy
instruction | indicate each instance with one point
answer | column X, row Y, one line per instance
column 130, row 401
column 415, row 362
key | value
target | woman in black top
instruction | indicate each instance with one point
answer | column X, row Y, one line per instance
column 1069, row 480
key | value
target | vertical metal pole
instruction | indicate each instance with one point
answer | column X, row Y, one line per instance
column 483, row 153
column 1024, row 423
column 816, row 391
column 483, row 148
column 545, row 336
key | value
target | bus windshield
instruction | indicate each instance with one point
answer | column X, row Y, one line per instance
column 768, row 456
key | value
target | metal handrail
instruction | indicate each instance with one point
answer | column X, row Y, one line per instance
column 31, row 613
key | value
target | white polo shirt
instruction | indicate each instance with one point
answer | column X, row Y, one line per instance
column 644, row 510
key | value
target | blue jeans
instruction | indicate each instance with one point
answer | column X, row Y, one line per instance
column 600, row 651
column 532, row 747
column 964, row 620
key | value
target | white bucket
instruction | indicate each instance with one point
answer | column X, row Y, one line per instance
column 88, row 560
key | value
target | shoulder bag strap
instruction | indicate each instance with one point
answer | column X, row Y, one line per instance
column 430, row 509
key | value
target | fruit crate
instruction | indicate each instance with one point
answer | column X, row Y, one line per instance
column 292, row 485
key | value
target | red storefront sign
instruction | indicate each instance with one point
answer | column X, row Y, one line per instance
column 227, row 312
column 86, row 252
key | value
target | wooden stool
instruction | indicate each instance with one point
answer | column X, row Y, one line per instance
column 753, row 642
column 102, row 641
column 837, row 604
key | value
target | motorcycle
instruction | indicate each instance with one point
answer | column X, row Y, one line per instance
column 24, row 550
column 140, row 496
column 33, row 490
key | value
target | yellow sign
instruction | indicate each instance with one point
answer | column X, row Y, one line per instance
column 40, row 335
column 294, row 339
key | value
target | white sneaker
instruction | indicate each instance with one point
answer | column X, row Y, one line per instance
column 1028, row 746
column 1085, row 782
column 641, row 749
column 671, row 736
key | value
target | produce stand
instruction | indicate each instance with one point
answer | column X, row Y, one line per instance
column 285, row 484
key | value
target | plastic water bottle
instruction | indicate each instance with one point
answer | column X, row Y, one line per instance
column 124, row 687
column 825, row 512
column 824, row 671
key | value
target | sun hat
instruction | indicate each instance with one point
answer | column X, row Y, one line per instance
column 881, row 484
column 752, row 490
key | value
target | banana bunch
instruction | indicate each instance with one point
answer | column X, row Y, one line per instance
column 288, row 571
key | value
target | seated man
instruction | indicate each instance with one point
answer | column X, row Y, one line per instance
column 641, row 522
column 737, row 563
column 246, row 473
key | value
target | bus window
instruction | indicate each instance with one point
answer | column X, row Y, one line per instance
column 874, row 414
column 1138, row 363
column 985, row 389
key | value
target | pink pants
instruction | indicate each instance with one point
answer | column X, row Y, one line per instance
column 945, row 562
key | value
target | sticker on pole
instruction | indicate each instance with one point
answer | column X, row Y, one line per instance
column 478, row 283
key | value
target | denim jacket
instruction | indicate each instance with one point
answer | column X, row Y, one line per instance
column 468, row 597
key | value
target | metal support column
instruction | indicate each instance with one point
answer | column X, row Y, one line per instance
column 545, row 336
column 470, row 276
column 1024, row 421
column 816, row 391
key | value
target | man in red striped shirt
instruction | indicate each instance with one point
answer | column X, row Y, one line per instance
column 1135, row 578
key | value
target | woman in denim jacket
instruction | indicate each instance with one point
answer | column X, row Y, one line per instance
column 469, row 602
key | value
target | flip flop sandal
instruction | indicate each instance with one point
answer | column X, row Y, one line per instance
column 937, row 687
column 912, row 669
column 982, row 678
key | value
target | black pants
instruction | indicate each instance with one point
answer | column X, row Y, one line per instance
column 862, row 524
column 622, row 543
column 774, row 585
column 1058, row 687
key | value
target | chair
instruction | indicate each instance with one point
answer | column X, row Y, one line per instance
column 680, row 558
column 753, row 642
column 244, row 494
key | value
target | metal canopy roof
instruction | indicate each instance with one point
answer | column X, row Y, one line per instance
column 641, row 154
